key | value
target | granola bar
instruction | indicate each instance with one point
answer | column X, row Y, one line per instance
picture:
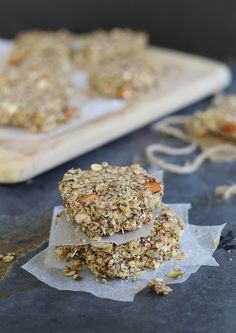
column 53, row 46
column 109, row 199
column 35, row 89
column 123, row 77
column 36, row 104
column 219, row 119
column 101, row 46
column 127, row 260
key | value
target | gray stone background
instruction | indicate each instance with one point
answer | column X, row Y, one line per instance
column 207, row 301
column 205, row 27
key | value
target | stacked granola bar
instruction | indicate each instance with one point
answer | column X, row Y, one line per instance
column 106, row 200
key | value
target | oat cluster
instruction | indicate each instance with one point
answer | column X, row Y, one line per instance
column 129, row 259
column 159, row 287
column 109, row 199
column 219, row 119
column 8, row 258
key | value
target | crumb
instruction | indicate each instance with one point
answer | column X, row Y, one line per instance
column 175, row 274
column 159, row 287
column 8, row 258
column 181, row 256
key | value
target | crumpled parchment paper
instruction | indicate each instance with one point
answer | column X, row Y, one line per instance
column 199, row 242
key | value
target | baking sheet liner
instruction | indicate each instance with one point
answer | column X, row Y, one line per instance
column 199, row 242
column 63, row 232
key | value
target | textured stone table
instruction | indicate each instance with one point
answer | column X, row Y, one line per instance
column 205, row 303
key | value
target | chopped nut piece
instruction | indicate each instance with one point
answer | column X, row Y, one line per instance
column 96, row 167
column 159, row 287
column 175, row 274
column 88, row 197
column 155, row 187
column 69, row 273
column 229, row 128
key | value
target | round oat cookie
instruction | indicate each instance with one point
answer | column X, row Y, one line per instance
column 109, row 199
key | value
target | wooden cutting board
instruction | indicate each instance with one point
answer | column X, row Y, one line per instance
column 187, row 79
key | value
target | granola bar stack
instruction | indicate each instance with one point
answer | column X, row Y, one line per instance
column 107, row 200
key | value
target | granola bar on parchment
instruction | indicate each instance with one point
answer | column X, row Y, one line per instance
column 109, row 199
column 126, row 260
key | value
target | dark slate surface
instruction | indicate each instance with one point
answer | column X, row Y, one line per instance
column 205, row 303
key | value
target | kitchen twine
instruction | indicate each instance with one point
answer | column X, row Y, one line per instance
column 226, row 192
column 165, row 127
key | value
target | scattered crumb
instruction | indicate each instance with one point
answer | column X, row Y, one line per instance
column 104, row 281
column 181, row 256
column 216, row 241
column 159, row 286
column 8, row 258
column 1, row 256
column 175, row 274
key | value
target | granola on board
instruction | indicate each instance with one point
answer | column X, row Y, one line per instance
column 100, row 47
column 123, row 77
column 109, row 199
column 53, row 46
column 35, row 89
column 219, row 119
column 39, row 103
column 126, row 260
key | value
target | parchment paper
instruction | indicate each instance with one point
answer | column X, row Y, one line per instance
column 63, row 232
column 199, row 242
